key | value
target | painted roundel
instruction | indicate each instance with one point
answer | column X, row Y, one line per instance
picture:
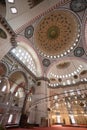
column 46, row 62
column 29, row 31
column 78, row 5
column 79, row 51
column 57, row 33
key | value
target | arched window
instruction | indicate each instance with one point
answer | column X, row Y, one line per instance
column 58, row 119
column 72, row 119
column 25, row 57
column 10, row 118
column 3, row 88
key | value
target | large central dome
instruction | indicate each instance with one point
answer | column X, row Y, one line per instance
column 57, row 33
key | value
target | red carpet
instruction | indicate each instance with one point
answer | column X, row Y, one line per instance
column 51, row 128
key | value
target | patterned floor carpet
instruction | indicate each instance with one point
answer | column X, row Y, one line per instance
column 55, row 127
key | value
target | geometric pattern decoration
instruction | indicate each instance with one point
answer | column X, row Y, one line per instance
column 57, row 33
column 46, row 62
column 29, row 31
column 78, row 5
column 79, row 51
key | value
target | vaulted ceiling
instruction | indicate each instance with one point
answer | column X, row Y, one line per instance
column 54, row 36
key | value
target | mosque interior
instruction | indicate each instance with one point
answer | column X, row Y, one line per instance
column 43, row 62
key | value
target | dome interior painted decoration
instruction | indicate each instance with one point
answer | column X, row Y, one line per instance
column 57, row 33
column 67, row 72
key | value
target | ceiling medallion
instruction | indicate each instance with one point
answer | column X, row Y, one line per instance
column 46, row 62
column 63, row 65
column 29, row 31
column 53, row 32
column 57, row 34
column 78, row 5
column 79, row 51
